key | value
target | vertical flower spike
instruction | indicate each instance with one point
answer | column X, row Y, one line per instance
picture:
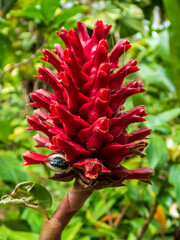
column 84, row 120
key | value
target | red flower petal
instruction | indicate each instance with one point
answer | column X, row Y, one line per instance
column 112, row 154
column 42, row 141
column 116, row 79
column 58, row 50
column 72, row 123
column 51, row 58
column 91, row 168
column 98, row 107
column 33, row 158
column 134, row 136
column 134, row 115
column 83, row 33
column 75, row 98
column 53, row 80
column 73, row 150
column 141, row 173
column 120, row 96
column 96, row 135
column 121, row 47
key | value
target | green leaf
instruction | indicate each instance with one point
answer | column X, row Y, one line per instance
column 161, row 119
column 164, row 50
column 71, row 232
column 176, row 136
column 156, row 75
column 131, row 236
column 70, row 24
column 3, row 232
column 95, row 233
column 16, row 224
column 170, row 114
column 32, row 217
column 174, row 179
column 68, row 13
column 3, row 23
column 6, row 49
column 157, row 152
column 131, row 19
column 22, row 236
column 104, row 228
column 7, row 234
column 173, row 11
column 162, row 129
column 28, row 194
column 10, row 168
column 107, row 13
column 99, row 210
column 29, row 12
column 48, row 8
column 164, row 238
column 6, row 130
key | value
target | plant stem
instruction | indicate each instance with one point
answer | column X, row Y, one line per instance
column 43, row 213
column 152, row 210
column 147, row 221
column 121, row 215
column 71, row 203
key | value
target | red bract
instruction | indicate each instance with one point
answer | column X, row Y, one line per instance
column 85, row 119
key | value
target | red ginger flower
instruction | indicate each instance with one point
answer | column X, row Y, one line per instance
column 84, row 119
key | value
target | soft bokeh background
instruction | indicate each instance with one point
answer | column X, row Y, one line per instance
column 152, row 26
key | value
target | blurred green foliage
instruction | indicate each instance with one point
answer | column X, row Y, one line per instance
column 153, row 28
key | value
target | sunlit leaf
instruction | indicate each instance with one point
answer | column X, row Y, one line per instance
column 131, row 236
column 170, row 114
column 32, row 217
column 7, row 234
column 162, row 129
column 173, row 10
column 5, row 131
column 6, row 49
column 68, row 13
column 157, row 152
column 160, row 120
column 164, row 45
column 10, row 168
column 156, row 75
column 131, row 19
column 29, row 12
column 3, row 23
column 174, row 179
column 48, row 8
column 71, row 232
column 94, row 221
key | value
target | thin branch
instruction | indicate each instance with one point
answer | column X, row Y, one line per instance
column 26, row 60
column 152, row 210
column 121, row 215
column 147, row 221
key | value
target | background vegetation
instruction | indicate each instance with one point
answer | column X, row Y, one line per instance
column 152, row 26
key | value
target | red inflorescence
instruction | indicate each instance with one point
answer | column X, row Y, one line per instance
column 84, row 119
